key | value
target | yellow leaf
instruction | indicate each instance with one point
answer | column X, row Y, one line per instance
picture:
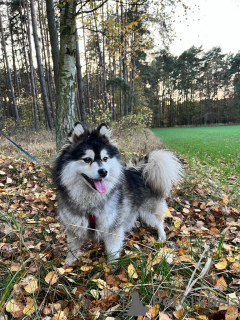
column 230, row 259
column 168, row 213
column 202, row 317
column 221, row 264
column 29, row 309
column 86, row 268
column 100, row 283
column 30, row 284
column 179, row 313
column 177, row 223
column 132, row 273
column 51, row 277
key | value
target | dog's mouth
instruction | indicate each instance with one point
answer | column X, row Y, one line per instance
column 99, row 185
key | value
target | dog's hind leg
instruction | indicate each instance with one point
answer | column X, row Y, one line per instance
column 74, row 245
column 156, row 219
column 113, row 243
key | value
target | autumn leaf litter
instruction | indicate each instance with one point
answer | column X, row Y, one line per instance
column 35, row 282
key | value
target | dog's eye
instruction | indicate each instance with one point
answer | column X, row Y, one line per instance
column 105, row 159
column 87, row 160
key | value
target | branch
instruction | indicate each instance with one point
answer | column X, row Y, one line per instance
column 92, row 10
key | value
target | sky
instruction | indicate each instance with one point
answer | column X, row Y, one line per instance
column 209, row 23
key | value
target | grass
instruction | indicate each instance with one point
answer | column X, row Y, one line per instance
column 217, row 146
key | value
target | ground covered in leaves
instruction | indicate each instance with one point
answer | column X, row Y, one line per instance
column 195, row 274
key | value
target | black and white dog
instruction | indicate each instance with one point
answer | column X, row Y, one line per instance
column 100, row 199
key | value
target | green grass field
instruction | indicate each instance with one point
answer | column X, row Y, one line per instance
column 216, row 146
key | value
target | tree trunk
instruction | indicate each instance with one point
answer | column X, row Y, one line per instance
column 80, row 82
column 87, row 73
column 34, row 102
column 53, row 37
column 9, row 73
column 65, row 113
column 40, row 68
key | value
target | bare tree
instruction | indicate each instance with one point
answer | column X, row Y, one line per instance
column 9, row 73
column 40, row 67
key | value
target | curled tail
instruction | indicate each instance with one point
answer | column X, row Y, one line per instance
column 161, row 170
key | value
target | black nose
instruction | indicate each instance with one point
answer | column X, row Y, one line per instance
column 102, row 172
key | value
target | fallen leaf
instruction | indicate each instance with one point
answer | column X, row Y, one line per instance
column 59, row 316
column 30, row 284
column 86, row 268
column 95, row 293
column 178, row 313
column 164, row 316
column 232, row 313
column 132, row 273
column 168, row 213
column 30, row 308
column 221, row 284
column 100, row 283
column 235, row 267
column 221, row 264
column 15, row 308
column 51, row 277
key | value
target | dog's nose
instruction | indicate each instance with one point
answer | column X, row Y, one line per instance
column 102, row 172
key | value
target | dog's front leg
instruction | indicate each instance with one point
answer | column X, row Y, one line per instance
column 113, row 243
column 74, row 244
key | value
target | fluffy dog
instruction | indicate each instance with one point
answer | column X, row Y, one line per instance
column 100, row 199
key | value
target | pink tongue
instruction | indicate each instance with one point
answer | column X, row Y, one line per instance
column 100, row 185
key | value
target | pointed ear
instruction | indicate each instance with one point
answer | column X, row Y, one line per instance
column 77, row 131
column 104, row 131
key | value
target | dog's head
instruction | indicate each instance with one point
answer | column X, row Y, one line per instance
column 89, row 156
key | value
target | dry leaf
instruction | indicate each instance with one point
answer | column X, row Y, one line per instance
column 132, row 273
column 86, row 268
column 100, row 283
column 168, row 213
column 235, row 267
column 9, row 180
column 221, row 264
column 59, row 316
column 30, row 284
column 164, row 316
column 221, row 284
column 30, row 308
column 51, row 277
column 232, row 313
column 179, row 313
column 95, row 293
column 15, row 308
column 153, row 311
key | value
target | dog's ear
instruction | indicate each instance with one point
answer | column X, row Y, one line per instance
column 77, row 131
column 104, row 131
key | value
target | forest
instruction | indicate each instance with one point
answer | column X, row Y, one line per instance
column 99, row 60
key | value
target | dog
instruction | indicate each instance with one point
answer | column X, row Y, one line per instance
column 100, row 199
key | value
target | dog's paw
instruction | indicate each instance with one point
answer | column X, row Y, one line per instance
column 162, row 237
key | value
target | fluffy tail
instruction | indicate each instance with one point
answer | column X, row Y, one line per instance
column 161, row 171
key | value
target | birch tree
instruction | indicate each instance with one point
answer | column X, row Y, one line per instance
column 65, row 108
